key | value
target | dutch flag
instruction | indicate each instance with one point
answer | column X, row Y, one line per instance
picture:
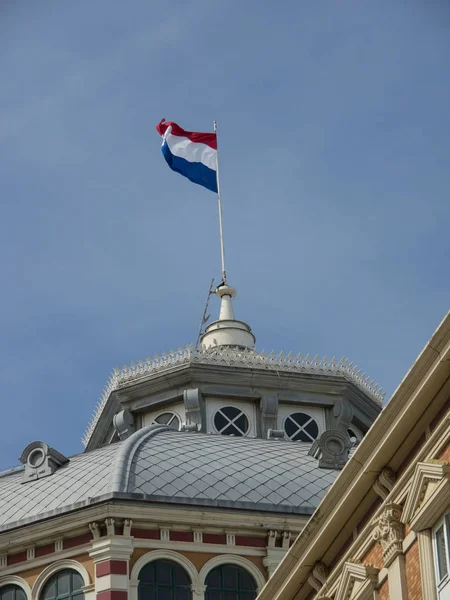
column 189, row 153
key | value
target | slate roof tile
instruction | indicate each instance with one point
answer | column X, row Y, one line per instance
column 197, row 467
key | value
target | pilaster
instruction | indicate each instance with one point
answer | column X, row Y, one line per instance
column 427, row 572
column 111, row 555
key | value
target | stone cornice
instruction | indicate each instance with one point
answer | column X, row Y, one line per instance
column 416, row 392
column 223, row 356
column 146, row 516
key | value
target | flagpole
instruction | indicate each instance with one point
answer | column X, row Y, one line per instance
column 222, row 247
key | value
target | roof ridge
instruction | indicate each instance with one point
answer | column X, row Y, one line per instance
column 121, row 468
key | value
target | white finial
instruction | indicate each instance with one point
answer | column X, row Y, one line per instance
column 226, row 293
column 227, row 331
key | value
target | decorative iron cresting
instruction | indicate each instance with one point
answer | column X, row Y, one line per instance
column 233, row 357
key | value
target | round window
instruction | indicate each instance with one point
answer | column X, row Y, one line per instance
column 230, row 420
column 36, row 458
column 168, row 418
column 300, row 427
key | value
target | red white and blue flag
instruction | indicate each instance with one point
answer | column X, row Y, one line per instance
column 192, row 154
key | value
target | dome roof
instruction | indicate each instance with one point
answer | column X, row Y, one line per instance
column 157, row 464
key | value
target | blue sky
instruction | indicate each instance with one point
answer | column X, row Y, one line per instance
column 335, row 173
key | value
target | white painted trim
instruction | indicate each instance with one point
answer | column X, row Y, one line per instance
column 230, row 559
column 48, row 558
column 111, row 582
column 14, row 580
column 409, row 541
column 199, row 547
column 59, row 565
column 180, row 559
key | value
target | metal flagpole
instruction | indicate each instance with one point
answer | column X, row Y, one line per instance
column 222, row 248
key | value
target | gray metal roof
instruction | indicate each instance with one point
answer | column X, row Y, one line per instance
column 159, row 464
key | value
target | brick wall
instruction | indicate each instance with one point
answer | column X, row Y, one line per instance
column 445, row 454
column 383, row 591
column 373, row 556
column 413, row 579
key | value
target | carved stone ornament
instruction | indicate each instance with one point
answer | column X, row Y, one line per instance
column 127, row 524
column 193, row 403
column 384, row 484
column 331, row 449
column 95, row 530
column 389, row 532
column 40, row 461
column 343, row 414
column 318, row 576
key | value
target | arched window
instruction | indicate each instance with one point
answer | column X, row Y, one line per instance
column 64, row 585
column 164, row 580
column 12, row 592
column 230, row 582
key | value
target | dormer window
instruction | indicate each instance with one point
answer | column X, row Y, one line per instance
column 230, row 420
column 300, row 427
column 40, row 461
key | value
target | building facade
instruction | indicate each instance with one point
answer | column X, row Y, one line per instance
column 201, row 467
column 383, row 530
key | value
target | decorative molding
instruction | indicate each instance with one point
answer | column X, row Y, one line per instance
column 53, row 568
column 357, row 582
column 31, row 553
column 127, row 525
column 231, row 539
column 272, row 539
column 203, row 548
column 384, row 484
column 110, row 527
column 343, row 414
column 3, row 561
column 320, row 572
column 389, row 532
column 226, row 356
column 193, row 403
column 318, row 576
column 95, row 530
column 164, row 535
column 286, row 540
column 429, row 494
column 15, row 580
column 45, row 560
column 198, row 537
column 113, row 548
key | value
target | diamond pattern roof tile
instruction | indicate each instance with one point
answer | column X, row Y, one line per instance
column 159, row 463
